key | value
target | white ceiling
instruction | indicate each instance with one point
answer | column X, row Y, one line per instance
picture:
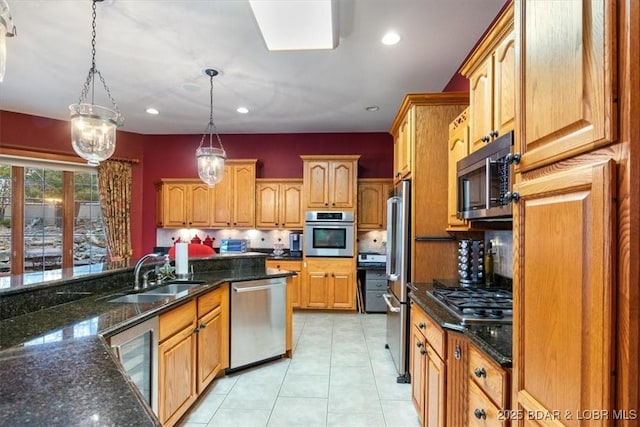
column 152, row 53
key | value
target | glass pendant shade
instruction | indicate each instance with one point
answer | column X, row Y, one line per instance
column 210, row 164
column 93, row 132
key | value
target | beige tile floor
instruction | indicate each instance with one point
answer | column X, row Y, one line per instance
column 340, row 376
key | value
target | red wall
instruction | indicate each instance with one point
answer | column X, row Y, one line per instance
column 173, row 156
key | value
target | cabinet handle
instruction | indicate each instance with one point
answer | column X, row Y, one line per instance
column 512, row 158
column 196, row 330
column 276, row 224
column 333, row 275
column 493, row 133
column 485, row 139
column 333, row 204
column 326, row 204
column 278, row 267
column 510, row 197
column 228, row 223
column 422, row 325
column 235, row 223
column 423, row 352
column 203, row 325
column 457, row 353
column 480, row 414
column 325, row 274
column 480, row 372
column 419, row 344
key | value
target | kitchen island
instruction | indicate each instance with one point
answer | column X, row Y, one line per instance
column 55, row 364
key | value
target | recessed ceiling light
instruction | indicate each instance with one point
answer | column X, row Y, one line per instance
column 152, row 111
column 391, row 38
column 242, row 110
column 372, row 108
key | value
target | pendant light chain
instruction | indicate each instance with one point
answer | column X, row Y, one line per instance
column 211, row 127
column 90, row 83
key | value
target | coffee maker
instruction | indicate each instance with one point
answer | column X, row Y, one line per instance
column 295, row 244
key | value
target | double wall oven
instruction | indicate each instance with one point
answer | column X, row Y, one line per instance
column 329, row 233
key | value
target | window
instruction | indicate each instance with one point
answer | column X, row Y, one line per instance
column 58, row 209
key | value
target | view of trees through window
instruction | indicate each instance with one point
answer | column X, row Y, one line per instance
column 44, row 204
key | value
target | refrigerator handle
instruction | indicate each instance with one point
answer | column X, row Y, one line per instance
column 391, row 239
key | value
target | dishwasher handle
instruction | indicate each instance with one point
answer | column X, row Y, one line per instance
column 240, row 289
column 391, row 307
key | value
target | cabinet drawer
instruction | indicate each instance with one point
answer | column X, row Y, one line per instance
column 210, row 301
column 433, row 334
column 374, row 302
column 288, row 265
column 375, row 285
column 176, row 320
column 375, row 275
column 482, row 412
column 489, row 377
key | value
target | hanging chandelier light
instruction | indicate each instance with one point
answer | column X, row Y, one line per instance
column 93, row 128
column 7, row 29
column 210, row 159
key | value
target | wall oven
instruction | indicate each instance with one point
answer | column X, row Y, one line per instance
column 329, row 233
column 484, row 181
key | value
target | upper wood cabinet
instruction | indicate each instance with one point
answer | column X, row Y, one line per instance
column 491, row 73
column 183, row 203
column 458, row 148
column 403, row 135
column 234, row 198
column 372, row 203
column 568, row 99
column 330, row 182
column 279, row 204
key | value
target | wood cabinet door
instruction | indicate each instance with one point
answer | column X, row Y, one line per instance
column 372, row 203
column 481, row 101
column 316, row 289
column 341, row 184
column 417, row 369
column 174, row 205
column 568, row 99
column 199, row 207
column 403, row 146
column 291, row 213
column 176, row 375
column 458, row 148
column 209, row 341
column 342, row 289
column 267, row 205
column 435, row 387
column 317, row 183
column 244, row 196
column 504, row 85
column 159, row 206
column 222, row 200
column 563, row 291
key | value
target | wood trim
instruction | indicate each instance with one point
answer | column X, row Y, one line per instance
column 330, row 157
column 17, row 220
column 279, row 180
column 19, row 151
column 413, row 99
column 68, row 219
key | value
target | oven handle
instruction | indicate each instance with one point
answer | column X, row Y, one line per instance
column 391, row 308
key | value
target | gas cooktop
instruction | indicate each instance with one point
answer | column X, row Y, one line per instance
column 476, row 305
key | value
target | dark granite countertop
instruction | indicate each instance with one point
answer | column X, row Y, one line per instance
column 493, row 339
column 57, row 369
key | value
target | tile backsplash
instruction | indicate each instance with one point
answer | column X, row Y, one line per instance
column 258, row 239
column 502, row 251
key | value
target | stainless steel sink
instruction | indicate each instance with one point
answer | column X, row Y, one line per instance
column 140, row 298
column 173, row 288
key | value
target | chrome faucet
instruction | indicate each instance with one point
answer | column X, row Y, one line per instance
column 136, row 270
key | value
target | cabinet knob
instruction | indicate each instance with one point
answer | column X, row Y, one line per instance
column 325, row 274
column 326, row 204
column 228, row 223
column 510, row 197
column 493, row 133
column 422, row 325
column 480, row 372
column 203, row 325
column 423, row 352
column 512, row 158
column 485, row 139
column 480, row 414
column 419, row 344
column 276, row 224
column 333, row 204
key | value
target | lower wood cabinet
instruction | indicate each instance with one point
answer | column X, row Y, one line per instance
column 488, row 391
column 293, row 282
column 427, row 368
column 193, row 349
column 329, row 283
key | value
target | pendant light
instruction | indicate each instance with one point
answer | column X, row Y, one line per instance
column 7, row 29
column 209, row 158
column 93, row 128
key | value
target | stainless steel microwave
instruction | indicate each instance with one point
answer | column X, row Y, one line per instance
column 329, row 233
column 484, row 181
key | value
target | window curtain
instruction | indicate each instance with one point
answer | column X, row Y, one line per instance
column 114, row 185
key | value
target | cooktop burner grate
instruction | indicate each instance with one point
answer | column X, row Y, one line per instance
column 473, row 305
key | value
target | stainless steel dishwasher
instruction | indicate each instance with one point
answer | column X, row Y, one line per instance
column 258, row 316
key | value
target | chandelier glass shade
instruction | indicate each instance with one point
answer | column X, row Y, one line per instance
column 93, row 128
column 210, row 160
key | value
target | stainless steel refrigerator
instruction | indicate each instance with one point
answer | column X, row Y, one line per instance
column 398, row 272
